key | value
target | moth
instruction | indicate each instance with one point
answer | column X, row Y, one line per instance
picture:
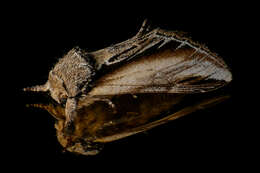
column 130, row 87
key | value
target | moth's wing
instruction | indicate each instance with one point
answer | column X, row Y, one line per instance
column 187, row 110
column 123, row 51
column 172, row 65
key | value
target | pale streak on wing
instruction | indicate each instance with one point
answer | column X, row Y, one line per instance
column 135, row 74
column 161, row 73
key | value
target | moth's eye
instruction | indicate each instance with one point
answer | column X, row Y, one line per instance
column 63, row 99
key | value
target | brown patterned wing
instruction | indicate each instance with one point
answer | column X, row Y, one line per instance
column 173, row 65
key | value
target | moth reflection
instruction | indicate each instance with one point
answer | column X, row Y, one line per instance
column 99, row 123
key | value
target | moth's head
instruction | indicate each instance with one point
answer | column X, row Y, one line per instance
column 69, row 77
column 57, row 88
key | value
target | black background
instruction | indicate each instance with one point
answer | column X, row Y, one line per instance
column 38, row 34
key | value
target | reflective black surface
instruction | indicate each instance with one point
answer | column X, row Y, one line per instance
column 211, row 137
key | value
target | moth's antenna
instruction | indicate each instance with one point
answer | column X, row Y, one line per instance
column 38, row 88
column 39, row 105
column 56, row 111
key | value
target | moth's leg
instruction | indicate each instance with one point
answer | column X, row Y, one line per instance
column 106, row 100
column 109, row 102
column 87, row 100
column 70, row 113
